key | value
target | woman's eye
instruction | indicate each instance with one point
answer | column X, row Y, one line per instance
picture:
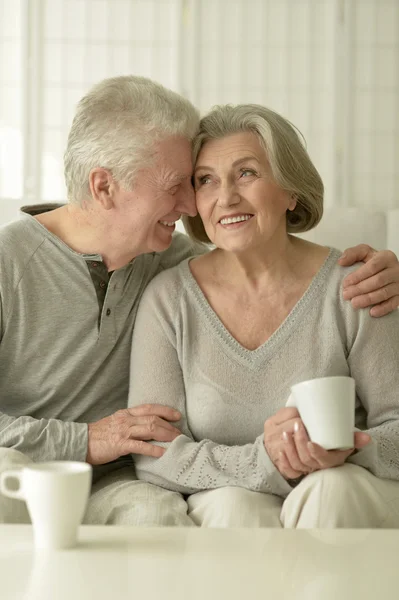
column 204, row 179
column 247, row 172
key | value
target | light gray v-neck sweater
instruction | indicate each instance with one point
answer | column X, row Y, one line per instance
column 183, row 356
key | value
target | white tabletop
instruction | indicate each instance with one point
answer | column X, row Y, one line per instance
column 118, row 563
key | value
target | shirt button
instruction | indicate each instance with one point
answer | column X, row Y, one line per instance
column 103, row 284
column 108, row 312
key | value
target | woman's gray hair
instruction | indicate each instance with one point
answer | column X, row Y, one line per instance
column 116, row 126
column 290, row 163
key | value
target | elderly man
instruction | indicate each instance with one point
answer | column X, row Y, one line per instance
column 71, row 279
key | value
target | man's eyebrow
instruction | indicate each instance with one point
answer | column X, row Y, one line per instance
column 180, row 178
column 235, row 163
column 173, row 181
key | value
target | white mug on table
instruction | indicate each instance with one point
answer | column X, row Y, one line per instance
column 327, row 409
column 56, row 495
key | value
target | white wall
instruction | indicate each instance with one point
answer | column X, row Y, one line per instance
column 331, row 66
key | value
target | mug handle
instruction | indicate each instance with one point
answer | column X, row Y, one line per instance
column 290, row 402
column 4, row 489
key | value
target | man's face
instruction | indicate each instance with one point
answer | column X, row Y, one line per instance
column 161, row 194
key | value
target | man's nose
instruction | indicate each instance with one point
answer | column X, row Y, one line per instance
column 187, row 203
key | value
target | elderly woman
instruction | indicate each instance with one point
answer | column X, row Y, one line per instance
column 223, row 336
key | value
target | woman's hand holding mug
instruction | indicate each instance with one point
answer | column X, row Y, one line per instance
column 286, row 443
column 291, row 451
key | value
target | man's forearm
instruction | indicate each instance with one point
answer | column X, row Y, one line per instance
column 44, row 439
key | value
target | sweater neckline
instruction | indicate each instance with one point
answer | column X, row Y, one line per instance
column 293, row 319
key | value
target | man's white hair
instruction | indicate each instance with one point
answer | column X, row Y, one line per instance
column 116, row 125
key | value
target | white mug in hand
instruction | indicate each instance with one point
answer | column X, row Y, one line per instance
column 56, row 494
column 327, row 409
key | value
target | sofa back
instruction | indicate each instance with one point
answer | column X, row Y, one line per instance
column 343, row 227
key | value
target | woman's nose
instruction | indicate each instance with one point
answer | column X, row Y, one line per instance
column 227, row 196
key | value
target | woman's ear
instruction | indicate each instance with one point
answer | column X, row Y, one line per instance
column 292, row 202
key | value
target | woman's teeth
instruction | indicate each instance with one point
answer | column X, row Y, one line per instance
column 169, row 224
column 229, row 220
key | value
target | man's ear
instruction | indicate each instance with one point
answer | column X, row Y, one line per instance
column 102, row 187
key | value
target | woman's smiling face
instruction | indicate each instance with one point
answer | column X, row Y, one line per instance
column 239, row 203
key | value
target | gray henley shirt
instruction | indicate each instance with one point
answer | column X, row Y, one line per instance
column 65, row 336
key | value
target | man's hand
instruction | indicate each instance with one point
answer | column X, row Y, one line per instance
column 375, row 283
column 128, row 431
